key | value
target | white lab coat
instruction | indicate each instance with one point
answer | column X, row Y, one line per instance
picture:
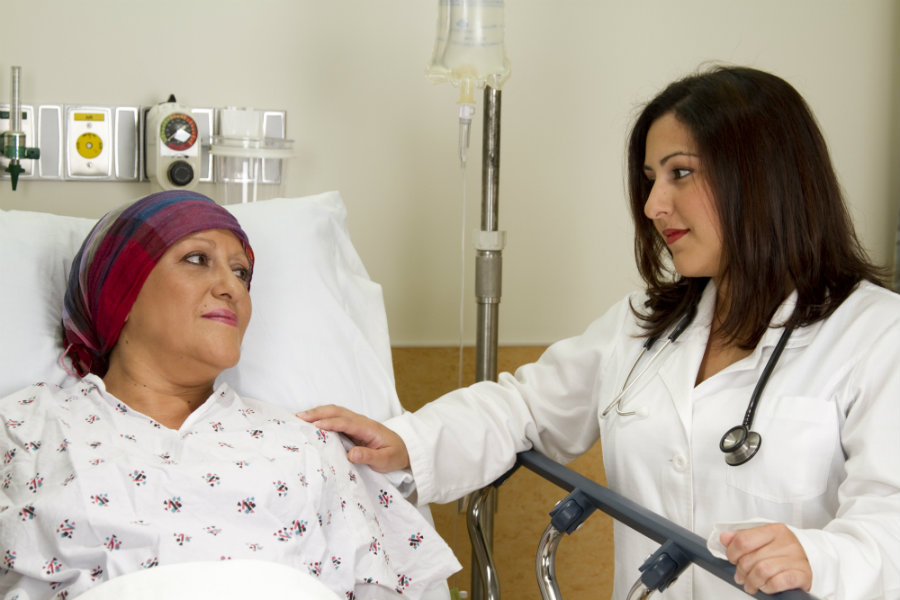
column 828, row 466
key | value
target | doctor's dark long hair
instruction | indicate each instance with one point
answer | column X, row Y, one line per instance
column 783, row 219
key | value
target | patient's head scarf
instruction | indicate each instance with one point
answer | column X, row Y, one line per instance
column 117, row 256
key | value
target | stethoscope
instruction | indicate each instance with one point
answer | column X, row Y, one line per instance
column 740, row 443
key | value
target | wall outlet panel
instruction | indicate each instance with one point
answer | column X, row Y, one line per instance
column 90, row 146
column 102, row 143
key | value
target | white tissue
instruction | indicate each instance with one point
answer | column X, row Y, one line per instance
column 716, row 547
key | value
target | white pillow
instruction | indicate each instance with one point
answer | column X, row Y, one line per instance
column 318, row 332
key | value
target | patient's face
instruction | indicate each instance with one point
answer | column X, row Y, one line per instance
column 191, row 314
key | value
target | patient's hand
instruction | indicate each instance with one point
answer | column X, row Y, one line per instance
column 768, row 558
column 376, row 445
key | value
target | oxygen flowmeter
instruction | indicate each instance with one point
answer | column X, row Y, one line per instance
column 172, row 146
column 13, row 144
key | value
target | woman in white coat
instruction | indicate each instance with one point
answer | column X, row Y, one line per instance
column 745, row 244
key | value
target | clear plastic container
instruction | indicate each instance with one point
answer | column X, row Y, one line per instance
column 248, row 166
column 469, row 50
column 249, row 170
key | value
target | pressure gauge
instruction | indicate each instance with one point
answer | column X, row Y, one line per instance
column 172, row 146
column 178, row 131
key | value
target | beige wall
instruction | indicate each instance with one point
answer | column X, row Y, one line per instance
column 350, row 74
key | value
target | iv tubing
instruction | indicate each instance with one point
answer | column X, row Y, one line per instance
column 466, row 111
column 462, row 275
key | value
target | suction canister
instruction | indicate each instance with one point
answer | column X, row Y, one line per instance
column 248, row 165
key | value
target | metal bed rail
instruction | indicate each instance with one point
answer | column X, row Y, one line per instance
column 679, row 546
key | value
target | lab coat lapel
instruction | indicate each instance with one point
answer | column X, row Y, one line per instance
column 679, row 371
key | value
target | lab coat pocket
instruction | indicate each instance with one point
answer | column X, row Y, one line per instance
column 800, row 445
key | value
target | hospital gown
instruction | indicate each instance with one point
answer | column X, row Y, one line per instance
column 91, row 490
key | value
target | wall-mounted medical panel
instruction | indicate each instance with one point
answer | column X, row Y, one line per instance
column 89, row 142
column 102, row 143
column 107, row 143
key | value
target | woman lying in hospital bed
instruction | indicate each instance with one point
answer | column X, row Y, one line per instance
column 144, row 461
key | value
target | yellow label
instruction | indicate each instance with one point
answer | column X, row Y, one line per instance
column 89, row 116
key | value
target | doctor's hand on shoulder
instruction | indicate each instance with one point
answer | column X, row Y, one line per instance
column 376, row 445
column 769, row 558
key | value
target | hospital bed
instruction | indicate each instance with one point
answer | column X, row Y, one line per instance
column 318, row 335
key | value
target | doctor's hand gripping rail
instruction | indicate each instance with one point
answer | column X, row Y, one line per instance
column 680, row 547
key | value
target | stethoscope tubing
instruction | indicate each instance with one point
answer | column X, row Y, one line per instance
column 617, row 401
column 627, row 385
column 764, row 376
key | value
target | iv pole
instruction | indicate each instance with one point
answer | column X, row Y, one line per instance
column 488, row 272
column 469, row 49
column 489, row 245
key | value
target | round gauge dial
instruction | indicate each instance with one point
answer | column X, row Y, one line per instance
column 89, row 145
column 178, row 131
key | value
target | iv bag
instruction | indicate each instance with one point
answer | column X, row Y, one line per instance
column 468, row 49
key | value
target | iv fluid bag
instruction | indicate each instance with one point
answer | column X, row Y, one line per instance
column 468, row 49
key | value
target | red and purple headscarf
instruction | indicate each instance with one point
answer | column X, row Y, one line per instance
column 117, row 256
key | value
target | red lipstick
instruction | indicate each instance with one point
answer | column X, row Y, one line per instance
column 223, row 316
column 673, row 235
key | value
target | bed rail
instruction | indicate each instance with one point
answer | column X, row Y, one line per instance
column 679, row 546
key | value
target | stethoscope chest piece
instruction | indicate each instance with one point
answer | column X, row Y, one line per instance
column 739, row 445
